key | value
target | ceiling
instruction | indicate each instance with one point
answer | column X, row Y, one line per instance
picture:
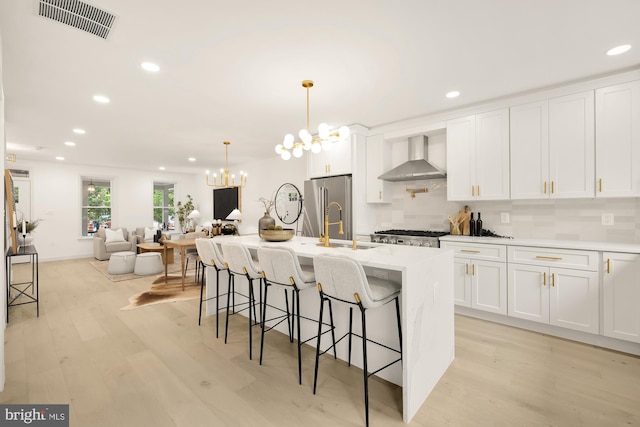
column 233, row 70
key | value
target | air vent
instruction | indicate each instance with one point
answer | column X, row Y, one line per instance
column 79, row 15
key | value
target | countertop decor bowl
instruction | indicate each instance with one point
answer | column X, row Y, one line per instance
column 277, row 235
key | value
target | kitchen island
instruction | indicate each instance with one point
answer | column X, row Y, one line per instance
column 427, row 307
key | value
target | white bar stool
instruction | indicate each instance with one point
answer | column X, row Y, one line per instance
column 239, row 262
column 281, row 267
column 343, row 279
column 210, row 256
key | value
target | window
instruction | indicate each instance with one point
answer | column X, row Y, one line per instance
column 163, row 211
column 96, row 205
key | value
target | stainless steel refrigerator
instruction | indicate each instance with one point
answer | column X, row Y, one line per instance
column 318, row 194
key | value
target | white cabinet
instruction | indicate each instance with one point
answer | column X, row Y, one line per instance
column 552, row 148
column 529, row 135
column 554, row 286
column 480, row 276
column 621, row 296
column 378, row 162
column 336, row 161
column 478, row 157
column 618, row 140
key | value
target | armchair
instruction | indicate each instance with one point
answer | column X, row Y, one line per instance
column 144, row 234
column 103, row 247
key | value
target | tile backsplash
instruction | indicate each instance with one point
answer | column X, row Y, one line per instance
column 568, row 219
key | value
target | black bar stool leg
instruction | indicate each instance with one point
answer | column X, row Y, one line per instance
column 315, row 374
column 399, row 325
column 350, row 333
column 230, row 289
column 201, row 295
column 364, row 365
column 296, row 297
column 264, row 316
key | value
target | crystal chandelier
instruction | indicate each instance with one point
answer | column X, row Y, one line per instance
column 224, row 180
column 324, row 141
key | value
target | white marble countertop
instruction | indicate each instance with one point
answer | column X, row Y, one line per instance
column 563, row 244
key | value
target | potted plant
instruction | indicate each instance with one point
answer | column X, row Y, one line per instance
column 24, row 232
column 183, row 211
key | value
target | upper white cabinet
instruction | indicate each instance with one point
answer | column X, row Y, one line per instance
column 618, row 140
column 336, row 161
column 478, row 157
column 378, row 162
column 621, row 296
column 530, row 150
column 552, row 148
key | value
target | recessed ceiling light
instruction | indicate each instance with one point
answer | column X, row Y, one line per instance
column 59, row 158
column 192, row 159
column 101, row 99
column 453, row 94
column 618, row 49
column 79, row 131
column 70, row 143
column 150, row 66
column 162, row 168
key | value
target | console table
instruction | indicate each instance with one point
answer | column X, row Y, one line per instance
column 19, row 289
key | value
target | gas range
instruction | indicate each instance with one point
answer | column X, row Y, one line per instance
column 428, row 239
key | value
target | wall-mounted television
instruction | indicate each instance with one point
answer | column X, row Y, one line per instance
column 225, row 200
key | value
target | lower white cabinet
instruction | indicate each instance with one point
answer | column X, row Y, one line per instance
column 621, row 296
column 480, row 276
column 542, row 289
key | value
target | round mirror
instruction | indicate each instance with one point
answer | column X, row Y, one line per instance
column 288, row 203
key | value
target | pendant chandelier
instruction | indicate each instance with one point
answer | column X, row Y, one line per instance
column 324, row 141
column 224, row 181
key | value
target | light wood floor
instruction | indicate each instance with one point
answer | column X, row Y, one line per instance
column 155, row 366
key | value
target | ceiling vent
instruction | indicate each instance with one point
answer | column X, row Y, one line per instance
column 79, row 15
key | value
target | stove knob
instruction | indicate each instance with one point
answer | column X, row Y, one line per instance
column 385, row 240
column 417, row 243
column 427, row 244
column 392, row 240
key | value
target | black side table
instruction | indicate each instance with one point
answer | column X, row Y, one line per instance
column 18, row 289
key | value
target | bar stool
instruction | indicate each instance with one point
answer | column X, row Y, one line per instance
column 239, row 262
column 281, row 267
column 343, row 279
column 210, row 256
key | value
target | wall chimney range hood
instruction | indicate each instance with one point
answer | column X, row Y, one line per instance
column 417, row 167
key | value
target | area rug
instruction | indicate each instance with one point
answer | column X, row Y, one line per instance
column 161, row 292
column 103, row 266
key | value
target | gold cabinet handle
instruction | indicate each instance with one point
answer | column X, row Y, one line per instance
column 553, row 279
column 478, row 191
column 608, row 265
column 553, row 187
column 545, row 187
column 473, row 190
column 380, row 195
column 601, row 185
column 466, row 269
column 544, row 278
column 473, row 269
column 469, row 251
column 553, row 258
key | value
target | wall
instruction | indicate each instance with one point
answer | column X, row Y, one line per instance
column 3, row 302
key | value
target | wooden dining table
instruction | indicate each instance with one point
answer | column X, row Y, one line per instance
column 183, row 245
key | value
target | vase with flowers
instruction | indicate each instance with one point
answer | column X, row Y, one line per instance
column 24, row 229
column 266, row 219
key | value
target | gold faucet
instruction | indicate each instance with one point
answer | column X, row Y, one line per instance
column 325, row 238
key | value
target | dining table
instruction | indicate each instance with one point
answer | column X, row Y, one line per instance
column 182, row 245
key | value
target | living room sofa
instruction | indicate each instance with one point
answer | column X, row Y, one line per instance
column 104, row 246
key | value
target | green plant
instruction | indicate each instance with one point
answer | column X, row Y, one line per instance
column 28, row 225
column 183, row 211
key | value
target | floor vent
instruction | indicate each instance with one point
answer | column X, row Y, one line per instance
column 79, row 15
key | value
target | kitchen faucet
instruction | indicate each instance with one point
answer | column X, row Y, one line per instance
column 325, row 238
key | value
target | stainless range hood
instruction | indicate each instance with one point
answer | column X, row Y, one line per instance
column 417, row 167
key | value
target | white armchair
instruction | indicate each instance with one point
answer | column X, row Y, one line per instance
column 109, row 241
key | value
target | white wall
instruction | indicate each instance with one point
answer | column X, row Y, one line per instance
column 3, row 302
